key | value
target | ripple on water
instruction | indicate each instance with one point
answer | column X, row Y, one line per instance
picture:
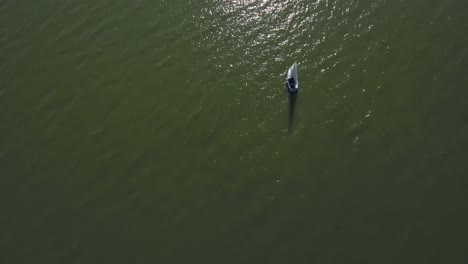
column 251, row 43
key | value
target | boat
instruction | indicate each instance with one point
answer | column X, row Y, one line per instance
column 292, row 80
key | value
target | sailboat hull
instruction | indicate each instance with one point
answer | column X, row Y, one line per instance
column 293, row 84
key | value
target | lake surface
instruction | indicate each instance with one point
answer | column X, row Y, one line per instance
column 161, row 131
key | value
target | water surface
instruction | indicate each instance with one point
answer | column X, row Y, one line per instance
column 161, row 131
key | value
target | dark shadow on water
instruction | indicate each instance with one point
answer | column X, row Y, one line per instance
column 292, row 107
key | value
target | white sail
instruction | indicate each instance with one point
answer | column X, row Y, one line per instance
column 292, row 73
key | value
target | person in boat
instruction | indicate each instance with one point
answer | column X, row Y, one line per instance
column 291, row 82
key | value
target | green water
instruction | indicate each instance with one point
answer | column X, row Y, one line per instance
column 161, row 131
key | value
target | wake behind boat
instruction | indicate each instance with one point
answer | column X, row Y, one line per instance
column 292, row 80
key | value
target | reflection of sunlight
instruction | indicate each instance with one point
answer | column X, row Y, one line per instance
column 258, row 6
column 257, row 19
column 254, row 29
